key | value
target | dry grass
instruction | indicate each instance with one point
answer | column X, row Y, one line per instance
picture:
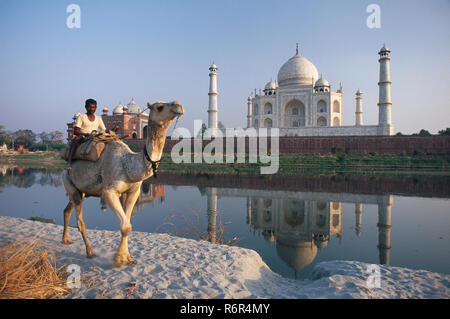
column 28, row 271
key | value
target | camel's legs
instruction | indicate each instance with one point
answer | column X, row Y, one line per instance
column 76, row 199
column 67, row 213
column 122, row 254
column 131, row 199
column 82, row 229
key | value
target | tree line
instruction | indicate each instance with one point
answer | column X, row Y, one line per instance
column 427, row 133
column 31, row 140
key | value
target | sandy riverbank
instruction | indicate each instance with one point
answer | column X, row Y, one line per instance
column 173, row 267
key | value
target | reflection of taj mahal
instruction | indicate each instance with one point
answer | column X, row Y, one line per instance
column 299, row 224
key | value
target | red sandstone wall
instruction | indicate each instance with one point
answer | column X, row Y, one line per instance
column 435, row 144
column 125, row 123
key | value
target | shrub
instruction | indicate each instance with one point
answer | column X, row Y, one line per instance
column 445, row 132
column 424, row 133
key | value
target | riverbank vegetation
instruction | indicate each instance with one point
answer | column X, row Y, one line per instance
column 372, row 164
column 33, row 159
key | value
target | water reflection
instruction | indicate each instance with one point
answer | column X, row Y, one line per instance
column 296, row 227
column 21, row 177
column 300, row 224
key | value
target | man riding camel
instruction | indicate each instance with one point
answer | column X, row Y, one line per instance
column 85, row 125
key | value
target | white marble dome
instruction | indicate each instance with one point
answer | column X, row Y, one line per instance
column 118, row 109
column 298, row 70
column 133, row 108
column 272, row 85
column 322, row 82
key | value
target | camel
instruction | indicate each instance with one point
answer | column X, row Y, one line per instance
column 118, row 171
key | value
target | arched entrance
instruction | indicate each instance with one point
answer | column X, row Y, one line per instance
column 267, row 122
column 321, row 121
column 145, row 132
column 294, row 114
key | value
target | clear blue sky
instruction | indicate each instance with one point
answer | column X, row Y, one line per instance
column 161, row 50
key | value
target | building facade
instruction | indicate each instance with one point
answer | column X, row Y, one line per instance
column 300, row 103
column 130, row 120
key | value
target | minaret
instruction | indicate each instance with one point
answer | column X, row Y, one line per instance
column 359, row 111
column 212, row 109
column 384, row 98
column 250, row 111
column 249, row 211
column 358, row 218
column 384, row 230
column 211, row 211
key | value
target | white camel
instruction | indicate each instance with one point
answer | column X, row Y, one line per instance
column 118, row 171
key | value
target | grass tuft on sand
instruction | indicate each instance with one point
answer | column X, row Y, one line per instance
column 28, row 271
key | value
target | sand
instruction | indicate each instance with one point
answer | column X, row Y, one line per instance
column 173, row 267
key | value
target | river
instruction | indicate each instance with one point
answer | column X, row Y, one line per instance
column 292, row 224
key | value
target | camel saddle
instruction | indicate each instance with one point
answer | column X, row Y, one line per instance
column 92, row 147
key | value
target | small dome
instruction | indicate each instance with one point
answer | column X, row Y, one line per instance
column 105, row 110
column 321, row 241
column 298, row 70
column 384, row 49
column 118, row 109
column 133, row 108
column 76, row 115
column 213, row 67
column 322, row 82
column 272, row 85
column 359, row 92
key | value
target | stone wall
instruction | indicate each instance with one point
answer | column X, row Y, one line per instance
column 400, row 145
column 350, row 130
column 127, row 123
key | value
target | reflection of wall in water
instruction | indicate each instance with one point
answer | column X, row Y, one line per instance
column 297, row 227
column 149, row 192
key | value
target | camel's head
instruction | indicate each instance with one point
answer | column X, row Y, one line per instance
column 163, row 114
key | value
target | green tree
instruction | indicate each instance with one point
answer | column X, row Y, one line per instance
column 27, row 138
column 202, row 131
column 445, row 132
column 424, row 133
column 5, row 137
column 45, row 138
column 57, row 137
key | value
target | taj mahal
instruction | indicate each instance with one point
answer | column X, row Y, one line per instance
column 301, row 103
column 298, row 103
